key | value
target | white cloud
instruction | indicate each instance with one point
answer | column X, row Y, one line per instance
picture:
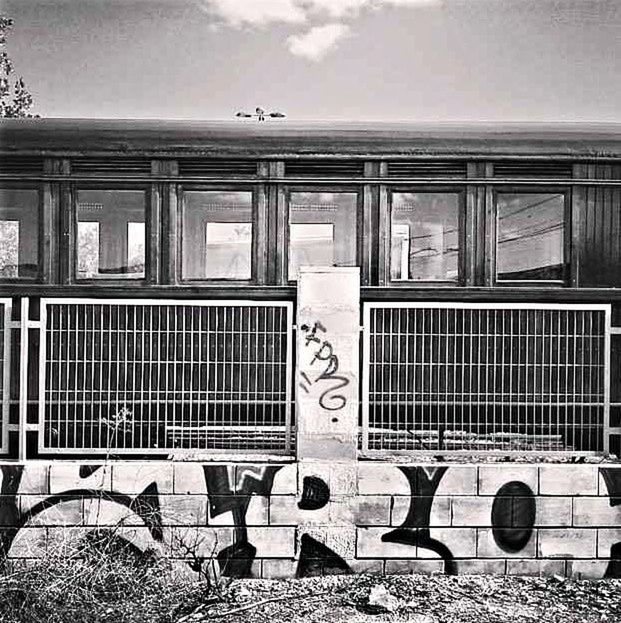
column 318, row 41
column 255, row 12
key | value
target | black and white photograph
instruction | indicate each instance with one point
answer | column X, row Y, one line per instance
column 310, row 311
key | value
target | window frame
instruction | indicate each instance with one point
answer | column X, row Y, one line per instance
column 314, row 188
column 151, row 260
column 41, row 229
column 462, row 224
column 492, row 236
column 259, row 232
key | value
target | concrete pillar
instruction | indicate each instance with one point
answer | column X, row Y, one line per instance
column 328, row 322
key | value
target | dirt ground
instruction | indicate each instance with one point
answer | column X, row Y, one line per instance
column 415, row 599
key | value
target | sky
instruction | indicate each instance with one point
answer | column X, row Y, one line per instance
column 350, row 60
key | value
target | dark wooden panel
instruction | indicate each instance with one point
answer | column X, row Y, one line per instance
column 600, row 240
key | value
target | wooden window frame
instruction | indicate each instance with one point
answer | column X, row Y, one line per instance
column 462, row 223
column 45, row 206
column 259, row 232
column 283, row 224
column 70, row 231
column 491, row 236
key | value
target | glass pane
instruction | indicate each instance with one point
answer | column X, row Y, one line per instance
column 322, row 230
column 111, row 234
column 530, row 237
column 19, row 233
column 424, row 237
column 217, row 235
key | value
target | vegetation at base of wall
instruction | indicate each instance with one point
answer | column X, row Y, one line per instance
column 99, row 582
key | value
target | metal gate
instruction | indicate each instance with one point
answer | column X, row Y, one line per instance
column 153, row 376
column 485, row 377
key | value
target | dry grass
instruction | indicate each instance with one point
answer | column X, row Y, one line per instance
column 101, row 580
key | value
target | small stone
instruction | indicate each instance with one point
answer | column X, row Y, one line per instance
column 380, row 600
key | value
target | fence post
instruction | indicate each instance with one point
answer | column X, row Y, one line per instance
column 328, row 362
column 24, row 316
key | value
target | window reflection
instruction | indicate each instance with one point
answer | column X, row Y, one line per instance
column 322, row 230
column 111, row 234
column 530, row 236
column 424, row 239
column 19, row 233
column 217, row 235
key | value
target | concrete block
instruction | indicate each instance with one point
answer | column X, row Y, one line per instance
column 47, row 513
column 610, row 481
column 278, row 569
column 284, row 511
column 537, row 568
column 133, row 478
column 273, row 542
column 257, row 512
column 100, row 512
column 568, row 479
column 458, row 480
column 440, row 514
column 189, row 478
column 606, row 538
column 472, row 511
column 29, row 543
column 476, row 566
column 488, row 547
column 187, row 542
column 366, row 565
column 381, row 479
column 343, row 478
column 34, row 479
column 327, row 446
column 595, row 512
column 369, row 544
column 493, row 477
column 179, row 510
column 340, row 539
column 286, row 480
column 73, row 476
column 586, row 569
column 462, row 542
column 553, row 512
column 373, row 510
column 566, row 543
column 403, row 567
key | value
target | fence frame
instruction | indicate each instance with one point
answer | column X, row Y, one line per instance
column 367, row 306
column 220, row 453
column 7, row 348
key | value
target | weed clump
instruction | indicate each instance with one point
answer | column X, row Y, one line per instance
column 101, row 579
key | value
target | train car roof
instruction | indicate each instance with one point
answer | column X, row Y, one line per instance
column 285, row 138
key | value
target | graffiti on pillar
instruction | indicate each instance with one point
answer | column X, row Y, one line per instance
column 326, row 361
column 317, row 558
column 414, row 530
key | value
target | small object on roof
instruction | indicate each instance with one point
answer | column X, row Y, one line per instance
column 260, row 114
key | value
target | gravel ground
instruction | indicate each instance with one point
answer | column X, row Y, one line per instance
column 420, row 599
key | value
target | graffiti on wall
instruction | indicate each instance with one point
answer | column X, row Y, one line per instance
column 248, row 499
column 326, row 362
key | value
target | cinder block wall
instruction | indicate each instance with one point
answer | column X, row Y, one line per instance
column 310, row 517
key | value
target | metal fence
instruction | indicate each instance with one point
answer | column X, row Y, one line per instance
column 5, row 371
column 128, row 376
column 473, row 377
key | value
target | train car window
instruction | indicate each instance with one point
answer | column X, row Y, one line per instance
column 530, row 236
column 19, row 233
column 322, row 230
column 216, row 235
column 424, row 236
column 110, row 234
